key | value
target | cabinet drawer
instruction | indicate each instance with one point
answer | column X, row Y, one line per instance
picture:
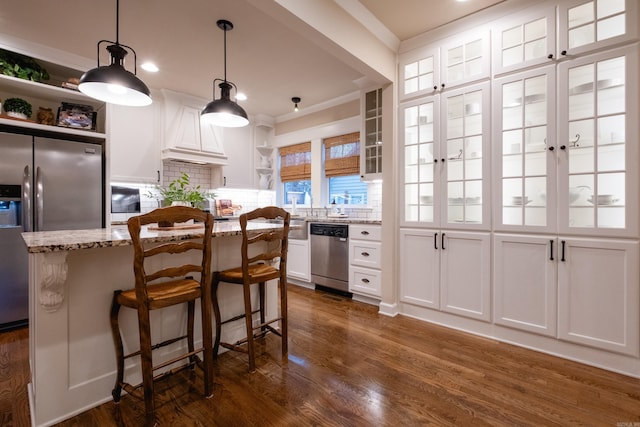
column 365, row 254
column 365, row 232
column 365, row 281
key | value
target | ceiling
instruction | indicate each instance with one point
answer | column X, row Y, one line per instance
column 269, row 57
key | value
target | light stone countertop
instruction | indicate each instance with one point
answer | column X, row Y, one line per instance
column 118, row 235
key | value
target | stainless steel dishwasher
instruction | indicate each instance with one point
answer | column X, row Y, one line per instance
column 330, row 256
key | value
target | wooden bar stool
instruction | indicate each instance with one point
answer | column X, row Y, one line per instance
column 269, row 262
column 161, row 287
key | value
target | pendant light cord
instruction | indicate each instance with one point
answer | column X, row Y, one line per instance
column 225, row 53
column 117, row 22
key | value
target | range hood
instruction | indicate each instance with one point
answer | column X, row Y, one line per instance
column 185, row 137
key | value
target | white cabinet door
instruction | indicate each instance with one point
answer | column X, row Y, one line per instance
column 587, row 25
column 420, row 268
column 524, row 39
column 525, row 271
column 598, row 294
column 134, row 143
column 239, row 172
column 465, row 274
column 419, row 73
column 465, row 58
column 597, row 140
column 298, row 266
column 525, row 151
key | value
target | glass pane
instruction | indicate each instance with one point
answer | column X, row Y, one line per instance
column 534, row 138
column 454, row 55
column 581, row 36
column 512, row 142
column 425, row 65
column 609, row 7
column 512, row 37
column 611, row 130
column 535, row 30
column 611, row 94
column 581, row 213
column 410, row 85
column 473, row 67
column 611, row 27
column 535, row 191
column 611, row 158
column 535, row 49
column 473, row 169
column 535, row 101
column 410, row 70
column 581, row 102
column 454, row 160
column 426, row 81
column 455, row 72
column 411, row 135
column 473, row 202
column 512, row 56
column 535, row 164
column 473, row 49
column 580, row 15
column 426, row 153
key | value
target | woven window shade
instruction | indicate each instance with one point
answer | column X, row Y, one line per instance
column 342, row 155
column 295, row 162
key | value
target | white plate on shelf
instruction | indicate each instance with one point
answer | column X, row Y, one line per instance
column 603, row 200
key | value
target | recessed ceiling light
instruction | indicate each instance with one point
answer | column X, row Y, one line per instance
column 241, row 96
column 150, row 66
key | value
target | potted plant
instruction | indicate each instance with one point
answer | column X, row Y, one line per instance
column 21, row 66
column 17, row 107
column 179, row 191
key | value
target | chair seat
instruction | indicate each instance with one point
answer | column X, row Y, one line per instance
column 163, row 294
column 257, row 273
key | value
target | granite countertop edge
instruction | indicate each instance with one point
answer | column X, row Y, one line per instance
column 118, row 235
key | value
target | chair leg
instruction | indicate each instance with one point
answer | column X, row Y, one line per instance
column 147, row 363
column 216, row 312
column 249, row 325
column 117, row 342
column 282, row 285
column 191, row 308
column 261, row 291
column 207, row 341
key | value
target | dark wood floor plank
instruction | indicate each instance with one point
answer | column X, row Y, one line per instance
column 349, row 366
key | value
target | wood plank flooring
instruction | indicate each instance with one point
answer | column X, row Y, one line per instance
column 349, row 366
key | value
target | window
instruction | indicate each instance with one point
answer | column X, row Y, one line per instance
column 295, row 172
column 342, row 168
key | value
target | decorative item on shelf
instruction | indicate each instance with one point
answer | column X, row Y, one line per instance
column 45, row 116
column 265, row 156
column 21, row 66
column 113, row 83
column 71, row 83
column 180, row 190
column 223, row 111
column 17, row 108
column 76, row 116
column 265, row 178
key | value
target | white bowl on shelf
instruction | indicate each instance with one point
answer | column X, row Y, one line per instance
column 603, row 199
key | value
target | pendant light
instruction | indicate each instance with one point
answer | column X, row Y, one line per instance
column 223, row 111
column 295, row 100
column 113, row 83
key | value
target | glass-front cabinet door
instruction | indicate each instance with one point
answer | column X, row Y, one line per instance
column 371, row 146
column 419, row 73
column 465, row 59
column 446, row 169
column 525, row 150
column 599, row 143
column 588, row 25
column 524, row 40
column 419, row 154
column 464, row 167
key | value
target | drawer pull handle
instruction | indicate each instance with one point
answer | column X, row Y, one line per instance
column 364, row 233
column 365, row 280
column 364, row 253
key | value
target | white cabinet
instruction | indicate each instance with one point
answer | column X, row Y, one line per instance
column 525, row 270
column 134, row 143
column 598, row 293
column 365, row 257
column 448, row 271
column 239, row 170
column 446, row 175
column 298, row 260
column 371, row 136
column 185, row 136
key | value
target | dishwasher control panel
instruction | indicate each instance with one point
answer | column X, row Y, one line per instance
column 331, row 230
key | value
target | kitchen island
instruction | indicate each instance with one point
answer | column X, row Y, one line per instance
column 72, row 276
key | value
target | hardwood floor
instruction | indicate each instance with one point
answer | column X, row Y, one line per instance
column 349, row 366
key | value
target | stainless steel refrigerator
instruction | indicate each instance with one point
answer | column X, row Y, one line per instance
column 45, row 184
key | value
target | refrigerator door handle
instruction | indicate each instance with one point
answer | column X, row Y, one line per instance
column 39, row 196
column 26, row 200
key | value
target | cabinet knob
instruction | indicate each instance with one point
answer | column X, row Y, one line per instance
column 551, row 148
column 563, row 53
column 550, row 56
column 562, row 147
column 435, row 87
column 442, row 85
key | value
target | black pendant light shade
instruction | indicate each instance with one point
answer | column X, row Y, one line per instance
column 113, row 83
column 296, row 100
column 223, row 111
